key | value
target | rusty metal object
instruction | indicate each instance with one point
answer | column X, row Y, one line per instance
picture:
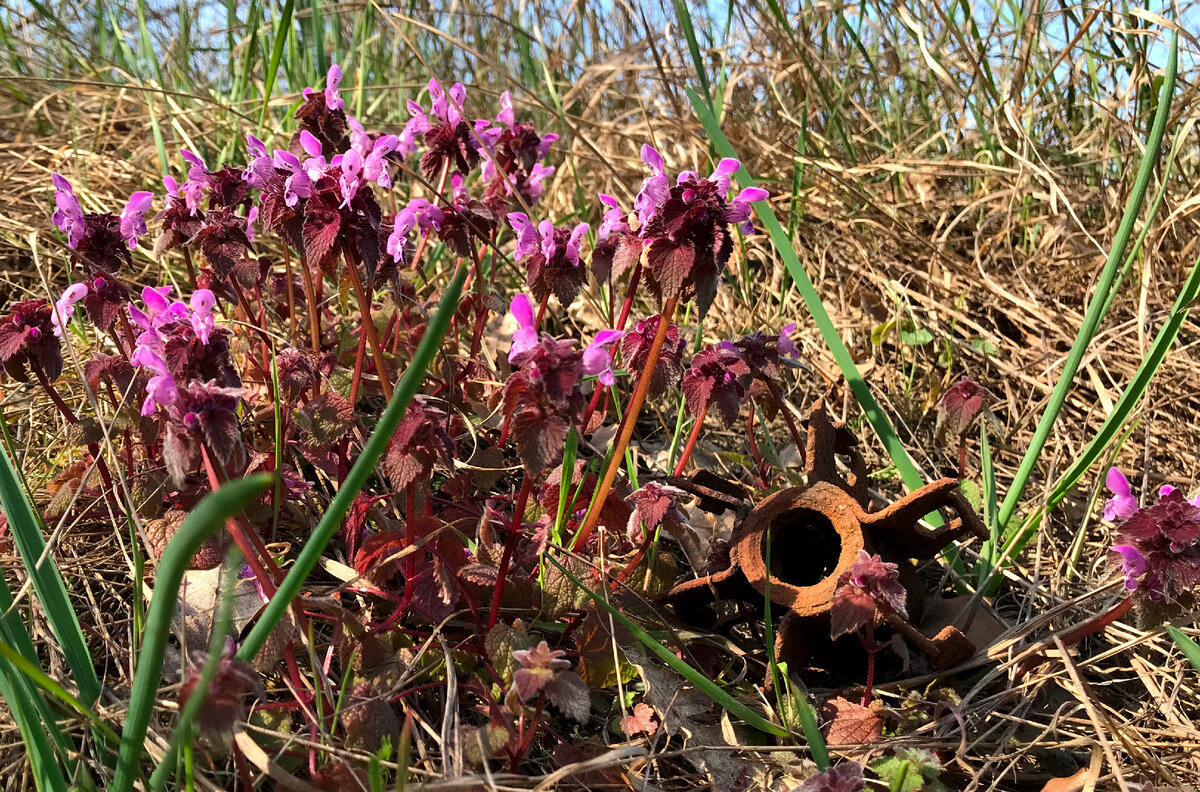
column 816, row 533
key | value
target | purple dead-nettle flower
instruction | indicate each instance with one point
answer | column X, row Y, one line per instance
column 542, row 401
column 297, row 185
column 197, row 181
column 1133, row 565
column 333, row 79
column 526, row 336
column 160, row 311
column 870, row 587
column 1159, row 548
column 68, row 215
column 352, row 165
column 764, row 352
column 615, row 219
column 397, row 242
column 512, row 156
column 1122, row 504
column 375, row 165
column 64, row 306
column 261, row 169
column 133, row 217
column 161, row 389
column 597, row 357
column 427, row 215
column 225, row 705
column 687, row 230
column 551, row 255
column 449, row 139
column 202, row 303
column 655, row 189
column 251, row 219
column 653, row 504
column 360, row 140
column 787, row 347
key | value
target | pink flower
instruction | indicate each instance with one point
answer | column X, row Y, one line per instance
column 1122, row 504
column 68, row 215
column 1133, row 565
column 161, row 389
column 597, row 358
column 133, row 217
column 64, row 306
column 202, row 302
column 526, row 337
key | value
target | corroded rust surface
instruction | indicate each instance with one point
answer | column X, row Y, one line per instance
column 813, row 534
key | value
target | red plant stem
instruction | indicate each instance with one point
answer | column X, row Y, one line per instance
column 754, row 452
column 541, row 310
column 314, row 316
column 424, row 238
column 628, row 421
column 1093, row 626
column 597, row 394
column 510, row 545
column 368, row 325
column 359, row 358
column 187, row 261
column 871, row 650
column 962, row 456
column 627, row 305
column 93, row 449
column 291, row 292
column 690, row 446
column 254, row 552
column 528, row 734
column 1088, row 628
column 242, row 771
column 797, row 438
column 633, row 562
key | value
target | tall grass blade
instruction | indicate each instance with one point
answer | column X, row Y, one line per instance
column 376, row 444
column 879, row 422
column 208, row 517
column 282, row 29
column 1099, row 303
column 48, row 583
column 51, row 686
column 689, row 33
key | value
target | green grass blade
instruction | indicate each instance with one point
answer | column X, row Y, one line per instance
column 376, row 444
column 206, row 519
column 1190, row 649
column 29, row 712
column 702, row 683
column 689, row 33
column 48, row 583
column 878, row 420
column 222, row 626
column 1096, row 309
column 39, row 677
column 282, row 30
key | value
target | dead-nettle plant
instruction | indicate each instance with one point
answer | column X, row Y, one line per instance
column 306, row 273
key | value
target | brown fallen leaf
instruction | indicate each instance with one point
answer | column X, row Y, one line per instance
column 851, row 723
column 1072, row 783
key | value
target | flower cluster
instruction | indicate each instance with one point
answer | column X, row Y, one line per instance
column 1158, row 545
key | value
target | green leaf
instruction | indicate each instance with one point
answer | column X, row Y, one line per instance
column 912, row 770
column 880, row 333
column 1190, row 649
column 916, row 336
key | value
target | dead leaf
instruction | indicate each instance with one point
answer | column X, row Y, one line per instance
column 850, row 723
column 1072, row 783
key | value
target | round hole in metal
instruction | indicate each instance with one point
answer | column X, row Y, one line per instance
column 805, row 547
